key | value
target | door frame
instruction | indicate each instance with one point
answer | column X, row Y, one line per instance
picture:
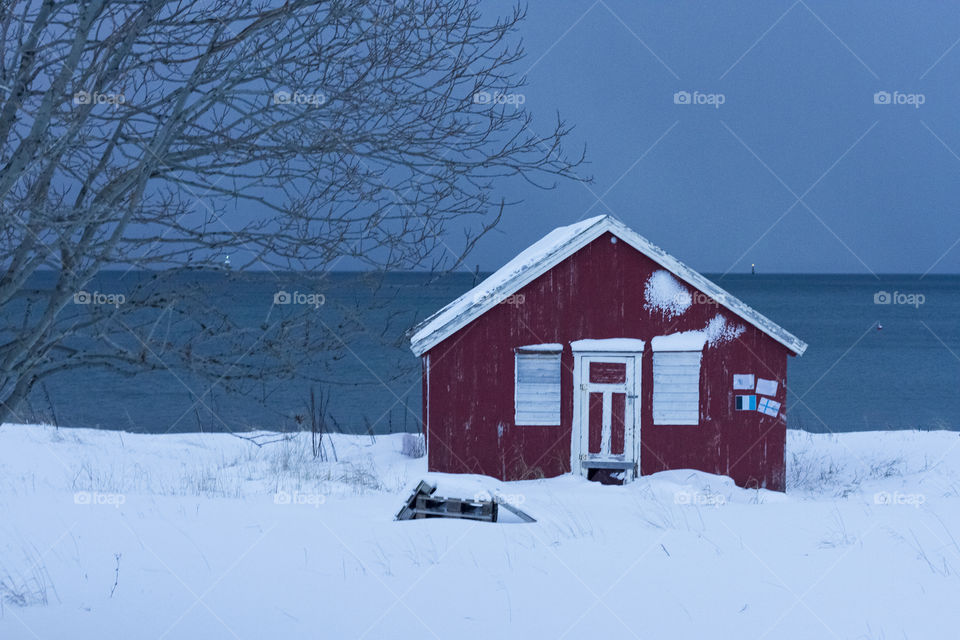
column 596, row 349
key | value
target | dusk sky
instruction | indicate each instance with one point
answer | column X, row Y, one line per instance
column 802, row 168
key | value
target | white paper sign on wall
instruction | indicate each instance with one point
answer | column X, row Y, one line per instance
column 769, row 407
column 766, row 387
column 743, row 381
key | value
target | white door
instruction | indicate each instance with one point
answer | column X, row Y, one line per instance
column 607, row 412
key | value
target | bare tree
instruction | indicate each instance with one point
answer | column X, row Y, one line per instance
column 165, row 135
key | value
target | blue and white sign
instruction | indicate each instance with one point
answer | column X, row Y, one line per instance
column 769, row 407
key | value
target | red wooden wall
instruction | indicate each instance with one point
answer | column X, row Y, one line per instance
column 597, row 293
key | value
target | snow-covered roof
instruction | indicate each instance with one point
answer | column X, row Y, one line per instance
column 552, row 249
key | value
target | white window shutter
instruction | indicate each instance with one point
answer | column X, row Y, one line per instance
column 537, row 389
column 676, row 387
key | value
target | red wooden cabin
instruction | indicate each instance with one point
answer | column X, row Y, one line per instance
column 596, row 352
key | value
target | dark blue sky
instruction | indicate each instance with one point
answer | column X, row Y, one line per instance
column 877, row 184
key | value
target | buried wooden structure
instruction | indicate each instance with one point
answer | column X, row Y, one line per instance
column 422, row 503
column 596, row 352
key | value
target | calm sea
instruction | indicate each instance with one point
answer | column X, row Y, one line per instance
column 854, row 376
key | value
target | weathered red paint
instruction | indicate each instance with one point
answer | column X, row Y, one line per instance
column 596, row 293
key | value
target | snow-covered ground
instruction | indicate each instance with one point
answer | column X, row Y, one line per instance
column 116, row 535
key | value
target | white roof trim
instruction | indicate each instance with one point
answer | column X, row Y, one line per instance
column 552, row 249
column 624, row 345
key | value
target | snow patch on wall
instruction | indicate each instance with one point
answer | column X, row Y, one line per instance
column 665, row 294
column 719, row 331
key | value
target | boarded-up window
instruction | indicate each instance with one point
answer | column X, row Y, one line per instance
column 537, row 399
column 676, row 387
